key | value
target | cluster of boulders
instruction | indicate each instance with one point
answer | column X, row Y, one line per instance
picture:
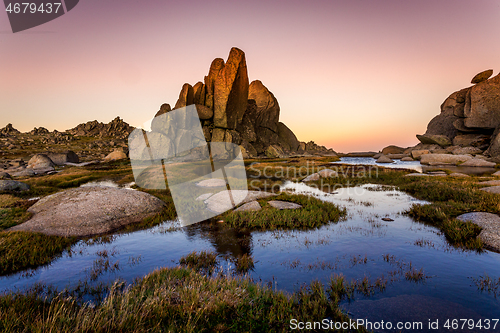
column 8, row 131
column 469, row 122
column 465, row 133
column 235, row 111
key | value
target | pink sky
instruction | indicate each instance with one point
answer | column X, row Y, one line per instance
column 352, row 75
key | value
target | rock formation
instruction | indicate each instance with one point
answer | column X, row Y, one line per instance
column 8, row 130
column 469, row 117
column 115, row 129
column 233, row 110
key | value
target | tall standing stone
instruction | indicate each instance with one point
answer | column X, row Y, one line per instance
column 231, row 91
column 186, row 97
column 199, row 93
column 215, row 67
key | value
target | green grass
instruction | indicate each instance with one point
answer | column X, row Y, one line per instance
column 10, row 217
column 313, row 214
column 173, row 300
column 20, row 250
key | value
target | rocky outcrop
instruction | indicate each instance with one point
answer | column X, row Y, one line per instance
column 114, row 129
column 8, row 130
column 63, row 158
column 469, row 117
column 232, row 110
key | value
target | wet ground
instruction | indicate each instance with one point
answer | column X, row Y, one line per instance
column 361, row 246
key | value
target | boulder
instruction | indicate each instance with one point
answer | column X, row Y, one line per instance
column 416, row 154
column 215, row 67
column 87, row 211
column 467, row 150
column 214, row 182
column 442, row 125
column 327, row 173
column 494, row 147
column 274, row 151
column 393, row 150
column 161, row 124
column 231, row 91
column 252, row 206
column 407, row 159
column 477, row 162
column 24, row 173
column 440, row 159
column 204, row 112
column 199, row 93
column 186, row 96
column 117, row 154
column 441, row 140
column 490, row 223
column 474, row 140
column 40, row 161
column 219, row 202
column 283, row 204
column 396, row 156
column 459, row 124
column 384, row 159
column 63, row 158
column 483, row 111
column 483, row 76
column 268, row 109
column 288, row 140
column 13, row 185
column 311, row 178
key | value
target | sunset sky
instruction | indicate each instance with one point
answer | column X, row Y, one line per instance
column 353, row 75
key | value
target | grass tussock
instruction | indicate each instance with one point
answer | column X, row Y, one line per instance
column 173, row 300
column 201, row 262
column 313, row 214
column 21, row 250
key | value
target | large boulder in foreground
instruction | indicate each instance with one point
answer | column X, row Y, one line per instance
column 88, row 211
column 231, row 91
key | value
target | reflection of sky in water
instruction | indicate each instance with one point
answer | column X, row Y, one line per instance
column 411, row 165
column 292, row 258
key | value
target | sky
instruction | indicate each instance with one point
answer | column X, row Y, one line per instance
column 353, row 75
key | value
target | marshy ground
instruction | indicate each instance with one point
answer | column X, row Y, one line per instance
column 338, row 255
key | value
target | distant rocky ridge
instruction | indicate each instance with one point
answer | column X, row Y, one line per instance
column 469, row 117
column 233, row 110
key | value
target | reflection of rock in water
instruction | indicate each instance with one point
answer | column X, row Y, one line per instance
column 226, row 241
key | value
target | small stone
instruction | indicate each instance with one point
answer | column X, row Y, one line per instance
column 384, row 159
column 407, row 159
column 483, row 76
column 116, row 155
column 496, row 174
column 387, row 219
column 417, row 175
column 419, row 152
column 284, row 204
column 458, row 174
column 249, row 207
